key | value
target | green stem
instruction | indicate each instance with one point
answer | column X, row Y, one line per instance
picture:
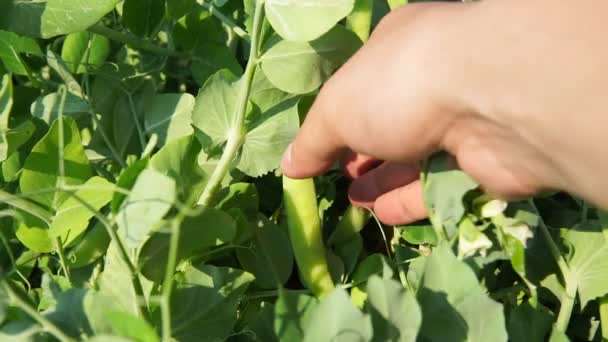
column 233, row 26
column 47, row 325
column 565, row 309
column 168, row 281
column 138, row 127
column 360, row 19
column 604, row 317
column 567, row 300
column 553, row 249
column 61, row 252
column 135, row 42
column 236, row 136
column 25, row 205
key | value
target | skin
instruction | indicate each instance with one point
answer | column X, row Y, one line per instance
column 514, row 90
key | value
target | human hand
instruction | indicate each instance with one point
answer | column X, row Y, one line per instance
column 514, row 90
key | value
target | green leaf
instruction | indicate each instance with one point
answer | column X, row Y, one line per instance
column 125, row 112
column 150, row 199
column 264, row 94
column 306, row 20
column 452, row 299
column 84, row 51
column 50, row 18
column 198, row 233
column 198, row 27
column 169, row 116
column 116, row 284
column 41, row 169
column 265, row 143
column 349, row 252
column 14, row 138
column 395, row 313
column 143, row 17
column 69, row 313
column 133, row 327
column 589, row 260
column 268, row 255
column 214, row 109
column 262, row 323
column 178, row 8
column 33, row 233
column 418, row 235
column 444, row 189
column 528, row 323
column 375, row 264
column 300, row 67
column 211, row 58
column 267, row 136
column 47, row 107
column 204, row 303
column 292, row 313
column 243, row 196
column 72, row 217
column 179, row 160
column 126, row 180
column 335, row 318
column 12, row 47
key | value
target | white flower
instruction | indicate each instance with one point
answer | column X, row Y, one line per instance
column 521, row 232
column 467, row 247
column 493, row 208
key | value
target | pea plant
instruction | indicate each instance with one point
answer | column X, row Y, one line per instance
column 141, row 198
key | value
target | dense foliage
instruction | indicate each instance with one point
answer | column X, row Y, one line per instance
column 141, row 198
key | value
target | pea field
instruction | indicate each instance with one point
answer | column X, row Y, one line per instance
column 141, row 197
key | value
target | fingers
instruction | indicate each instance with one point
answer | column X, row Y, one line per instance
column 364, row 191
column 401, row 206
column 389, row 100
column 355, row 165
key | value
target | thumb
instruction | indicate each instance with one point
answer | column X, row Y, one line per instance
column 393, row 99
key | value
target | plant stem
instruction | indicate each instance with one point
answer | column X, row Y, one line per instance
column 236, row 135
column 604, row 317
column 234, row 27
column 47, row 325
column 135, row 42
column 567, row 300
column 61, row 252
column 168, row 281
column 566, row 306
column 553, row 249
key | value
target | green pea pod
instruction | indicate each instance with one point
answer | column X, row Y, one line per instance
column 305, row 234
column 92, row 246
column 360, row 19
column 352, row 223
